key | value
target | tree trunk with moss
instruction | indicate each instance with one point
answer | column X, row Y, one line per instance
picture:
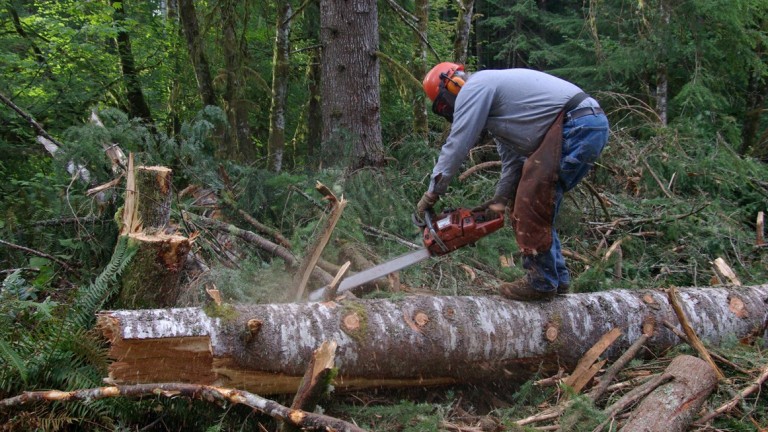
column 151, row 280
column 412, row 341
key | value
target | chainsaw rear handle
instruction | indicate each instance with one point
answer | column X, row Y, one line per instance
column 454, row 229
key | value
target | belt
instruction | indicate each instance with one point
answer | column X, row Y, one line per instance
column 581, row 112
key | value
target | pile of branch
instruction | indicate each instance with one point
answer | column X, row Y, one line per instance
column 671, row 400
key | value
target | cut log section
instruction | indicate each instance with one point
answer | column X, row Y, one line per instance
column 673, row 406
column 419, row 340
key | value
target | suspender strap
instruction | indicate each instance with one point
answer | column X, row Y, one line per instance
column 575, row 101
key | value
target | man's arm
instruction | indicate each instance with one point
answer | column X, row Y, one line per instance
column 511, row 171
column 472, row 107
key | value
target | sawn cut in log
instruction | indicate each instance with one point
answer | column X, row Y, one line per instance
column 418, row 340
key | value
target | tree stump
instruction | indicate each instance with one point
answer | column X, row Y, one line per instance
column 151, row 280
column 153, row 186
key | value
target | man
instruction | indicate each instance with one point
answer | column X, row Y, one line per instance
column 548, row 134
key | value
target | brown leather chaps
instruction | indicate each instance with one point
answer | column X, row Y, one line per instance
column 533, row 213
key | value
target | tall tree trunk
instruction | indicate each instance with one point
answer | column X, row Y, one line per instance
column 349, row 33
column 16, row 21
column 417, row 340
column 315, row 117
column 757, row 92
column 420, row 68
column 191, row 30
column 137, row 104
column 276, row 141
column 463, row 26
column 662, row 78
column 241, row 148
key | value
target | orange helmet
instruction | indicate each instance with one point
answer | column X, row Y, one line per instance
column 441, row 72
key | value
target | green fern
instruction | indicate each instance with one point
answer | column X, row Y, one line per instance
column 11, row 357
column 60, row 350
column 93, row 297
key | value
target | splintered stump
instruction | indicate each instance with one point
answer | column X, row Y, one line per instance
column 151, row 279
column 673, row 406
column 153, row 184
column 418, row 340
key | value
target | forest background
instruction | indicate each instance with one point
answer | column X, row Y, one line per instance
column 256, row 101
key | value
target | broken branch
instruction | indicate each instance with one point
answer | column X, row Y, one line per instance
column 193, row 391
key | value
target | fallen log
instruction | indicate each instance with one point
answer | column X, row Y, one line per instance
column 419, row 340
column 672, row 406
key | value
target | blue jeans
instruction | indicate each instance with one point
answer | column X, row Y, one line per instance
column 583, row 140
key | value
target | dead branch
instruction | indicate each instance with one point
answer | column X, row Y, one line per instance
column 599, row 198
column 330, row 290
column 618, row 365
column 725, row 273
column 256, row 240
column 760, row 229
column 260, row 227
column 302, row 276
column 481, row 166
column 714, row 355
column 693, row 339
column 587, row 368
column 317, row 378
column 633, row 396
column 728, row 406
column 658, row 181
column 268, row 407
column 38, row 253
column 553, row 380
column 38, row 128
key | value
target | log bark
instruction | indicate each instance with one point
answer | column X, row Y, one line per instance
column 419, row 340
column 672, row 406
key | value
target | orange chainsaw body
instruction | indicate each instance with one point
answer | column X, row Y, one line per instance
column 454, row 229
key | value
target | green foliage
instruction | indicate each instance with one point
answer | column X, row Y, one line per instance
column 49, row 345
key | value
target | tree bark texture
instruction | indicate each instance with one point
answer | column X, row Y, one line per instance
column 137, row 104
column 420, row 68
column 416, row 340
column 276, row 141
column 153, row 186
column 673, row 406
column 349, row 33
column 240, row 148
column 463, row 27
column 191, row 30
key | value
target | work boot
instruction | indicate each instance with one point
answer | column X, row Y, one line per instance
column 563, row 289
column 522, row 290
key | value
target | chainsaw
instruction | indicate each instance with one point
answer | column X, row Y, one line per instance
column 442, row 234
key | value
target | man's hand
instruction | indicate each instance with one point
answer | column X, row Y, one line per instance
column 425, row 204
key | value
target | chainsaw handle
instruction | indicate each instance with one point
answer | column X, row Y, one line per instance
column 416, row 220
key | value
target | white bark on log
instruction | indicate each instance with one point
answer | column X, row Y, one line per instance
column 410, row 341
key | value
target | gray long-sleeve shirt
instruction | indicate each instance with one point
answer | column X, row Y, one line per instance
column 517, row 106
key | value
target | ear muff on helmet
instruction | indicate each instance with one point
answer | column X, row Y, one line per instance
column 434, row 79
column 452, row 82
